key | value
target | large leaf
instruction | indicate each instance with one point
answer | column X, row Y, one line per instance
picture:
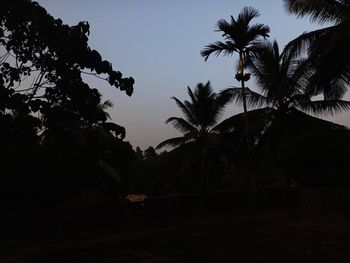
column 319, row 10
column 326, row 107
column 174, row 142
column 180, row 124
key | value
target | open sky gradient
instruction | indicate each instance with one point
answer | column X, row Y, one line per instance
column 157, row 42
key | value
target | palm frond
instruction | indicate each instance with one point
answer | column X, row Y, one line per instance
column 223, row 98
column 319, row 10
column 325, row 107
column 336, row 89
column 247, row 14
column 303, row 42
column 186, row 111
column 203, row 90
column 291, row 62
column 237, row 27
column 218, row 47
column 327, row 66
column 253, row 99
column 190, row 93
column 264, row 64
column 332, row 89
column 300, row 73
column 224, row 26
column 174, row 142
column 256, row 31
column 180, row 124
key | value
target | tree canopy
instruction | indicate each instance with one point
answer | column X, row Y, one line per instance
column 201, row 113
column 42, row 65
column 54, row 127
column 327, row 48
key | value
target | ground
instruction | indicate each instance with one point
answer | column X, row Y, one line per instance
column 264, row 236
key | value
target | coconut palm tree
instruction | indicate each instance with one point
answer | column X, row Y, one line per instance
column 283, row 98
column 327, row 48
column 201, row 115
column 283, row 81
column 282, row 102
column 239, row 36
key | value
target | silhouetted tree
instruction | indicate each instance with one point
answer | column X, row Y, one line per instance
column 48, row 113
column 202, row 114
column 239, row 38
column 282, row 80
column 35, row 45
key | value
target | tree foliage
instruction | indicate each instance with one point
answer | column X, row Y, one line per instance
column 239, row 35
column 327, row 48
column 42, row 64
column 54, row 127
column 201, row 114
column 283, row 80
column 279, row 126
column 200, row 138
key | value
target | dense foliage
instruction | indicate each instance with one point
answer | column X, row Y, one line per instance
column 327, row 48
column 53, row 124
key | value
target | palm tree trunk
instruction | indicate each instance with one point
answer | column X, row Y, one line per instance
column 247, row 140
column 245, row 111
column 241, row 59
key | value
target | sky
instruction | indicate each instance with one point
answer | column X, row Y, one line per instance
column 158, row 43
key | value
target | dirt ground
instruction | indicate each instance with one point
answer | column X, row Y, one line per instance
column 265, row 236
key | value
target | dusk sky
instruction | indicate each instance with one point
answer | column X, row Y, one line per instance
column 157, row 42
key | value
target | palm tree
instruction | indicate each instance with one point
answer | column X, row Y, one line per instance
column 201, row 114
column 327, row 48
column 239, row 38
column 283, row 81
